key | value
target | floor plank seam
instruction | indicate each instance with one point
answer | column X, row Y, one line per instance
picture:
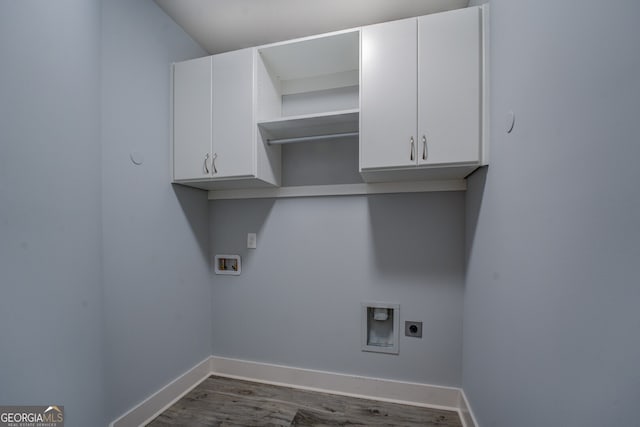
column 221, row 401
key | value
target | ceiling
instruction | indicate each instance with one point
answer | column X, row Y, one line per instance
column 225, row 25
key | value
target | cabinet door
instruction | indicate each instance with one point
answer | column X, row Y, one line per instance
column 388, row 95
column 449, row 87
column 233, row 125
column 191, row 118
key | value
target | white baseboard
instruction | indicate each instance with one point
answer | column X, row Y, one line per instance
column 342, row 384
column 408, row 393
column 466, row 414
column 158, row 402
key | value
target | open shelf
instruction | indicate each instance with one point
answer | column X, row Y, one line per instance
column 340, row 190
column 327, row 123
column 314, row 63
column 309, row 88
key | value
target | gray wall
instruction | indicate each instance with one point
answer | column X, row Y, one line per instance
column 50, row 276
column 551, row 303
column 297, row 301
column 157, row 289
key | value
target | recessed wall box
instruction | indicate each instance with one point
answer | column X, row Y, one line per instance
column 380, row 323
column 228, row 264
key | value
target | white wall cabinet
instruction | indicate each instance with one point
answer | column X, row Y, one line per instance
column 233, row 139
column 449, row 87
column 192, row 117
column 214, row 135
column 388, row 95
column 411, row 93
column 421, row 97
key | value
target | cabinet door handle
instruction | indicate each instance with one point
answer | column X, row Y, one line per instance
column 206, row 167
column 424, row 147
column 412, row 149
column 213, row 162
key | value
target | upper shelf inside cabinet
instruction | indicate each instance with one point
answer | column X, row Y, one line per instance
column 330, row 123
column 315, row 63
column 314, row 75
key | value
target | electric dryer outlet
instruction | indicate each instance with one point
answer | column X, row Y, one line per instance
column 413, row 329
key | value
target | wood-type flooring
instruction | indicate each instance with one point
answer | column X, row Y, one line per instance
column 220, row 401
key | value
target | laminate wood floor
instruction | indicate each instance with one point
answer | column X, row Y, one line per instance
column 220, row 401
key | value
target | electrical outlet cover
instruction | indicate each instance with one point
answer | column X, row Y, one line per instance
column 251, row 240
